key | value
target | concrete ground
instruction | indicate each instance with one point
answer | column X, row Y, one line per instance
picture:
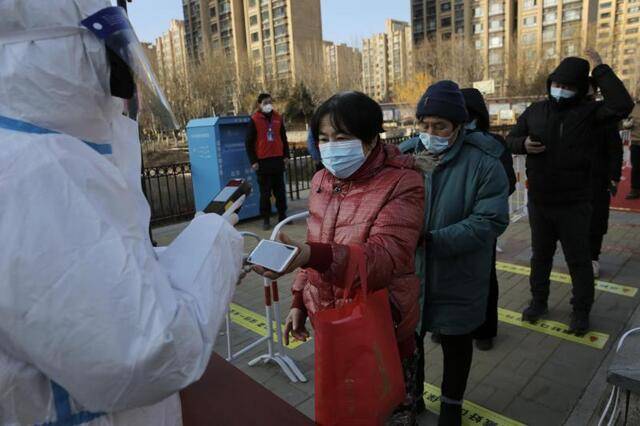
column 533, row 376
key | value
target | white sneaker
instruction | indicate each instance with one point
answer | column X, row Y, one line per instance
column 596, row 268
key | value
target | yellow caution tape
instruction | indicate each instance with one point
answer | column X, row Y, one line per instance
column 622, row 290
column 257, row 323
column 553, row 328
column 472, row 414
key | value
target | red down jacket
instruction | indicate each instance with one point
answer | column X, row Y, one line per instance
column 380, row 207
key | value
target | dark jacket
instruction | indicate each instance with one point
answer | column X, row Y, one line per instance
column 269, row 165
column 568, row 129
column 467, row 208
column 478, row 110
column 607, row 161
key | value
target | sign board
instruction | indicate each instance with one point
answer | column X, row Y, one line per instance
column 494, row 109
column 486, row 87
column 507, row 115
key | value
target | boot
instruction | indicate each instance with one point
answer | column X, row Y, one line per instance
column 450, row 414
column 579, row 322
column 266, row 224
column 535, row 311
column 405, row 414
column 634, row 194
column 484, row 344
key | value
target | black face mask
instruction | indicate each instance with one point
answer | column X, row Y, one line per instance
column 121, row 79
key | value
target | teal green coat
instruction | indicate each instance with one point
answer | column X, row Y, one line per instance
column 466, row 210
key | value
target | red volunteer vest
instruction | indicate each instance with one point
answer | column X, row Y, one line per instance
column 264, row 147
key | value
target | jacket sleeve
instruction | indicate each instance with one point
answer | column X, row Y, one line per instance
column 90, row 305
column 519, row 133
column 616, row 153
column 507, row 162
column 617, row 103
column 250, row 142
column 393, row 238
column 285, row 141
column 487, row 221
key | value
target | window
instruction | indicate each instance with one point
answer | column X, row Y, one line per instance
column 446, row 36
column 604, row 25
column 282, row 66
column 214, row 28
column 265, row 17
column 252, row 3
column 605, row 5
column 628, row 61
column 605, row 15
column 496, row 41
column 633, row 9
column 255, row 37
column 528, row 38
column 549, row 18
column 445, row 7
column 495, row 57
column 281, row 48
column 266, row 34
column 478, row 43
column 633, row 20
column 549, row 34
column 477, row 28
column 630, row 51
column 550, row 52
column 571, row 15
column 530, row 21
column 569, row 31
column 279, row 12
column 445, row 22
column 212, row 11
column 253, row 20
column 280, row 30
column 631, row 31
column 549, row 3
column 496, row 9
column 571, row 49
column 496, row 24
column 477, row 12
column 267, row 51
column 530, row 4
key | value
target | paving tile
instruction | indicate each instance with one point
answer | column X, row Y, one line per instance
column 551, row 394
column 532, row 413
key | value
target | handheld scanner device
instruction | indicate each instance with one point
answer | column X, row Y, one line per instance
column 225, row 199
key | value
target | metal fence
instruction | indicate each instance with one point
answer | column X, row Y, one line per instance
column 169, row 189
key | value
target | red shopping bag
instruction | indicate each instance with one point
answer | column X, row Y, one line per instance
column 359, row 379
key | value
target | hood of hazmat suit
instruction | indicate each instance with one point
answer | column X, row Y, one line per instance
column 95, row 327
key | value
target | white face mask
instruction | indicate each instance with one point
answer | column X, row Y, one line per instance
column 267, row 109
column 434, row 144
column 342, row 158
column 557, row 93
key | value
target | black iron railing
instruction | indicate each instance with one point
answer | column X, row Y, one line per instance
column 169, row 189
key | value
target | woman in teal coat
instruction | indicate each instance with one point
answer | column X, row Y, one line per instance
column 466, row 210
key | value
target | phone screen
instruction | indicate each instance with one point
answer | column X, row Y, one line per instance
column 272, row 255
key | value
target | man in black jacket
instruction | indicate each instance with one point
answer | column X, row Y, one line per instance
column 606, row 174
column 558, row 136
column 479, row 122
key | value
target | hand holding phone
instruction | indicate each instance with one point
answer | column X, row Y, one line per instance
column 280, row 263
column 533, row 146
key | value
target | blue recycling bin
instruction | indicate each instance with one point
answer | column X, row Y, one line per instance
column 217, row 154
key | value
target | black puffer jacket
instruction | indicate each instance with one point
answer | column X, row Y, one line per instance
column 568, row 129
column 477, row 109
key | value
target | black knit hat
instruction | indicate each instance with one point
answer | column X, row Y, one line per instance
column 443, row 99
column 572, row 71
column 476, row 107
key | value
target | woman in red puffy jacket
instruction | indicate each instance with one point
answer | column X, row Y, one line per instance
column 368, row 194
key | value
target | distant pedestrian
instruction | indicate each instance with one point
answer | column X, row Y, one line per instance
column 606, row 174
column 268, row 150
column 558, row 136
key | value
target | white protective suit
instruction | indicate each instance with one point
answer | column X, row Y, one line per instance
column 95, row 328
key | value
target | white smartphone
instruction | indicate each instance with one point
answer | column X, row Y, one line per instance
column 273, row 255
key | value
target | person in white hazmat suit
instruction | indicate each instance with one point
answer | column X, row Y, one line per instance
column 95, row 327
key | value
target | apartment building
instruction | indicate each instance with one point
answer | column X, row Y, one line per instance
column 284, row 38
column 171, row 52
column 488, row 26
column 343, row 66
column 617, row 38
column 386, row 60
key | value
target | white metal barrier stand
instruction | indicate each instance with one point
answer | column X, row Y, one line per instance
column 276, row 351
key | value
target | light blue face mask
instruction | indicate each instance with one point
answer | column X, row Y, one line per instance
column 472, row 125
column 434, row 144
column 342, row 158
column 557, row 93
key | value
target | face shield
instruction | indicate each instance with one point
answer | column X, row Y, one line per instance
column 112, row 26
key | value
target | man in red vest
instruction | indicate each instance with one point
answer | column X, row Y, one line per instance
column 268, row 151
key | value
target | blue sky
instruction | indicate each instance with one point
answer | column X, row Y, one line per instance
column 344, row 21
